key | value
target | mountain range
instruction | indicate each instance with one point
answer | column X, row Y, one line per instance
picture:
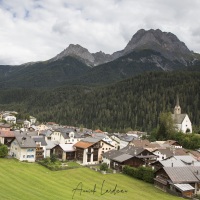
column 148, row 50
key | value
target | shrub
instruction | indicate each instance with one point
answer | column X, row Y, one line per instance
column 53, row 158
column 3, row 150
column 103, row 167
column 143, row 173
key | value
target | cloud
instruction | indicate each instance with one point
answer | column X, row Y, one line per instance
column 33, row 30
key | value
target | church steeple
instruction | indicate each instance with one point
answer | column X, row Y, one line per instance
column 177, row 109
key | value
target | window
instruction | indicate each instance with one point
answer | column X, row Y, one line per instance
column 30, row 150
column 30, row 156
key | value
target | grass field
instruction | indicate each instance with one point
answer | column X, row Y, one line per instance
column 30, row 181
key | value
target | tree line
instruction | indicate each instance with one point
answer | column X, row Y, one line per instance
column 134, row 103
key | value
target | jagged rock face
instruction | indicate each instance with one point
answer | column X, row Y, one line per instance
column 77, row 51
column 84, row 55
column 101, row 57
column 166, row 43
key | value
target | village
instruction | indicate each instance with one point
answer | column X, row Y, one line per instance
column 176, row 170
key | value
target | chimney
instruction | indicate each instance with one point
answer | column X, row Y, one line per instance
column 172, row 164
column 193, row 163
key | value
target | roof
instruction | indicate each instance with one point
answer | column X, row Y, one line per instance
column 195, row 153
column 91, row 139
column 67, row 147
column 83, row 145
column 180, row 174
column 172, row 162
column 6, row 133
column 166, row 152
column 47, row 132
column 51, row 144
column 132, row 150
column 184, row 187
column 127, row 138
column 25, row 142
column 112, row 154
column 123, row 157
column 140, row 143
column 40, row 139
column 2, row 125
column 98, row 131
column 180, row 152
column 186, row 159
column 170, row 142
column 178, row 118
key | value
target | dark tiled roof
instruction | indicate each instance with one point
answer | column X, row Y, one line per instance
column 40, row 139
column 25, row 142
column 91, row 139
column 180, row 174
column 123, row 157
column 140, row 143
column 178, row 118
column 132, row 150
column 112, row 154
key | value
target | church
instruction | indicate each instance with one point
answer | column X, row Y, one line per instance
column 181, row 121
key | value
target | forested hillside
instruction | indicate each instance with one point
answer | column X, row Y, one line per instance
column 135, row 102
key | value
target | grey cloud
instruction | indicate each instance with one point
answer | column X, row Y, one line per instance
column 39, row 29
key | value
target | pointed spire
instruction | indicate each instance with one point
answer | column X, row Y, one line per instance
column 177, row 109
column 177, row 100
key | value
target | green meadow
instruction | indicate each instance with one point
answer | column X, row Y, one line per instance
column 30, row 181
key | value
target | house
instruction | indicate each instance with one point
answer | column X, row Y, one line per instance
column 23, row 147
column 176, row 161
column 108, row 156
column 137, row 134
column 9, row 118
column 32, row 120
column 123, row 139
column 172, row 144
column 90, row 150
column 49, row 147
column 116, row 141
column 64, row 151
column 66, row 136
column 5, row 127
column 181, row 121
column 168, row 152
column 181, row 181
column 6, row 136
column 27, row 124
column 130, row 155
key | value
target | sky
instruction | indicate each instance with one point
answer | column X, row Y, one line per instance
column 37, row 30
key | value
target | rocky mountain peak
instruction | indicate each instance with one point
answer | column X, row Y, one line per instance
column 166, row 43
column 77, row 51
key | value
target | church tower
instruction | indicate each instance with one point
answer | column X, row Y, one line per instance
column 177, row 109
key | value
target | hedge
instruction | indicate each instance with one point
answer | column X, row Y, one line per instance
column 143, row 173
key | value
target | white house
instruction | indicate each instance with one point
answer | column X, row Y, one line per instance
column 89, row 151
column 9, row 118
column 32, row 120
column 66, row 136
column 23, row 148
column 181, row 121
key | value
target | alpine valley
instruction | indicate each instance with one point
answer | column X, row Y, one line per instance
column 128, row 88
